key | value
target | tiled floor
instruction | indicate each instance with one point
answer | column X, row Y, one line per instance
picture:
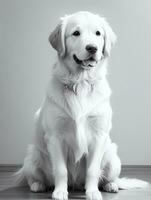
column 9, row 191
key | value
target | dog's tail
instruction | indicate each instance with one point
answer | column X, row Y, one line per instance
column 128, row 183
column 19, row 178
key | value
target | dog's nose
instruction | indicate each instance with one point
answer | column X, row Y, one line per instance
column 91, row 49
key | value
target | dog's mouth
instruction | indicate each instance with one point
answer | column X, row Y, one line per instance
column 87, row 63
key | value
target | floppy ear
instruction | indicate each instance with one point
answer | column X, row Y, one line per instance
column 57, row 37
column 109, row 38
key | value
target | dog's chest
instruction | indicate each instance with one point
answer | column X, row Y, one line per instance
column 76, row 106
column 81, row 100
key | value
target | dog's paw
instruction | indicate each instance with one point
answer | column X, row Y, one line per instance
column 93, row 195
column 60, row 195
column 111, row 187
column 37, row 187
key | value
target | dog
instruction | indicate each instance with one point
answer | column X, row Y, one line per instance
column 72, row 144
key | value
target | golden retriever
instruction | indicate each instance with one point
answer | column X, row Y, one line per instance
column 72, row 144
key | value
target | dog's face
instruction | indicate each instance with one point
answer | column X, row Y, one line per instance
column 82, row 40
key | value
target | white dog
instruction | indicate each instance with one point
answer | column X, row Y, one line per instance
column 72, row 142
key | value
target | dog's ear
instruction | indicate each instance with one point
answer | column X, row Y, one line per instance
column 109, row 38
column 57, row 37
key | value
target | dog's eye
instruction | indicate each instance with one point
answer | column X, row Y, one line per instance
column 98, row 33
column 76, row 33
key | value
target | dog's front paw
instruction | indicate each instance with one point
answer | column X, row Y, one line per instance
column 60, row 195
column 93, row 195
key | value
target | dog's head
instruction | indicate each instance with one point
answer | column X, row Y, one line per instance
column 83, row 39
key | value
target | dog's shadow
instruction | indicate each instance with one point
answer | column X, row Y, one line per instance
column 25, row 193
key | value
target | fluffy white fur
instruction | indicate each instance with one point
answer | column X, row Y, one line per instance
column 72, row 143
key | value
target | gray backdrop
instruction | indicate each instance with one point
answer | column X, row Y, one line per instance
column 26, row 57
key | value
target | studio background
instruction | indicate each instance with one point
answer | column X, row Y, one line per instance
column 25, row 66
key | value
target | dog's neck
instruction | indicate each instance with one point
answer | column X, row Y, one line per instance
column 74, row 86
column 82, row 78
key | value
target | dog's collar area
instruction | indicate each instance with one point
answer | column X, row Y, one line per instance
column 74, row 87
column 71, row 87
column 86, row 64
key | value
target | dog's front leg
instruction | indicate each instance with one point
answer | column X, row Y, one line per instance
column 58, row 156
column 94, row 158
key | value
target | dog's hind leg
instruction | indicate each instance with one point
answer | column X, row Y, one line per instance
column 111, row 168
column 32, row 171
column 37, row 159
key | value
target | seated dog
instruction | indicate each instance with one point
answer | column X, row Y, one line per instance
column 72, row 143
